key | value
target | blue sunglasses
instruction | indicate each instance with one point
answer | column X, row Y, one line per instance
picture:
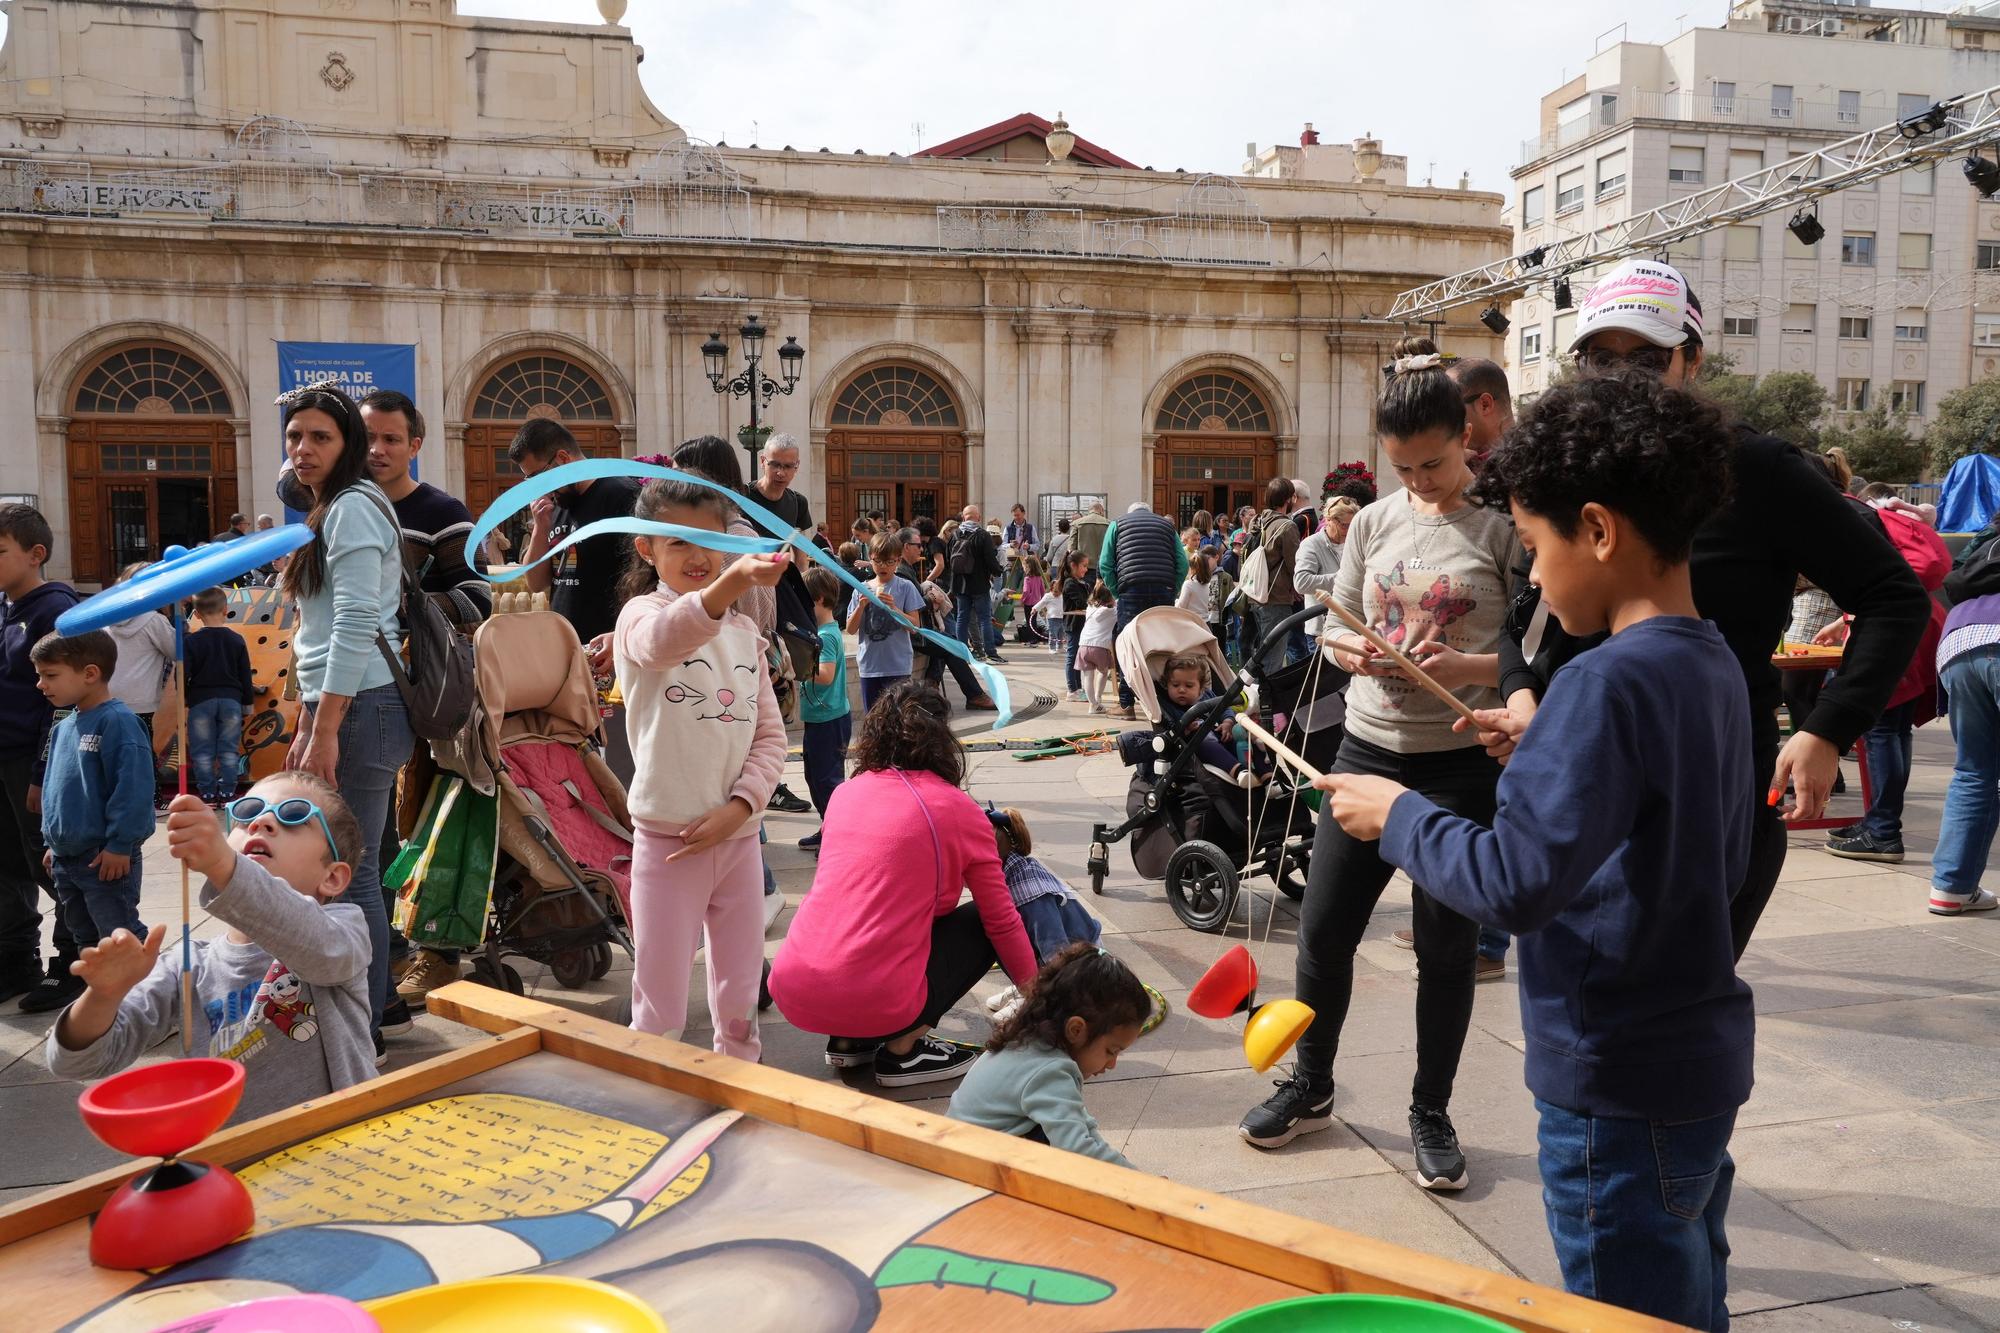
column 291, row 812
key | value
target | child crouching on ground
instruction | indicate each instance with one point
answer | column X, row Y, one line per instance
column 1051, row 913
column 1624, row 822
column 1082, row 1011
column 285, row 991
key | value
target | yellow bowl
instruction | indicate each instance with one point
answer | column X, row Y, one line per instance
column 519, row 1304
column 1273, row 1030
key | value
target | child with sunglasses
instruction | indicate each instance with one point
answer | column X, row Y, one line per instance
column 284, row 991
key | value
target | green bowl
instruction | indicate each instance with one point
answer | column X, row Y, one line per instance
column 1356, row 1314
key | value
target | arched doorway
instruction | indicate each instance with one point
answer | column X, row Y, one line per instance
column 152, row 458
column 897, row 445
column 1215, row 446
column 539, row 384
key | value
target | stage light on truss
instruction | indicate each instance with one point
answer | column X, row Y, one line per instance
column 1983, row 175
column 1806, row 226
column 1494, row 320
column 1562, row 294
column 1534, row 257
column 1925, row 122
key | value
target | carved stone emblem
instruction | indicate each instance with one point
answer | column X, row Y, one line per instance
column 335, row 73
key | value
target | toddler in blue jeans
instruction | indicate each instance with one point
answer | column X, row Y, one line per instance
column 97, row 795
column 219, row 689
column 1624, row 822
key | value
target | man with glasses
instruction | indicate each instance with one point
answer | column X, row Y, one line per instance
column 773, row 487
column 1783, row 519
column 1489, row 405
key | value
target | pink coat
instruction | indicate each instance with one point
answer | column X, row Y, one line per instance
column 853, row 961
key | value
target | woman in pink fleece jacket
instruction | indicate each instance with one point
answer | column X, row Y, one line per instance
column 708, row 746
column 882, row 945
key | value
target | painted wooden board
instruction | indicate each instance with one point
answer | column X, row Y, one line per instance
column 726, row 1195
column 265, row 620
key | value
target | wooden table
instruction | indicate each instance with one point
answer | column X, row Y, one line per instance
column 809, row 1206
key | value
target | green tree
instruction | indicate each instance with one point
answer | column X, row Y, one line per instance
column 1879, row 446
column 1788, row 404
column 1968, row 421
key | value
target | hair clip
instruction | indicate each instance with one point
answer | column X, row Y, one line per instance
column 1403, row 365
column 294, row 397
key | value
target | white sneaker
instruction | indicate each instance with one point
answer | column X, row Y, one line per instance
column 1078, row 697
column 774, row 903
column 1003, row 999
column 1958, row 904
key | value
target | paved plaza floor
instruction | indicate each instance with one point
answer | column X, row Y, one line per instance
column 1868, row 1160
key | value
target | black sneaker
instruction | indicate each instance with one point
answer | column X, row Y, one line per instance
column 1297, row 1107
column 850, row 1052
column 381, row 1051
column 809, row 843
column 396, row 1019
column 1440, row 1165
column 19, row 977
column 1844, row 831
column 996, row 659
column 786, row 801
column 54, row 990
column 929, row 1061
column 1865, row 846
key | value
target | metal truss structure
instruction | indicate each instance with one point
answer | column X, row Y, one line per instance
column 1948, row 129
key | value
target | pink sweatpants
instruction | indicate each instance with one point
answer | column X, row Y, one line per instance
column 718, row 893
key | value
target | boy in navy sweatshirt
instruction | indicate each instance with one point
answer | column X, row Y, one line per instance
column 29, row 605
column 220, row 689
column 1624, row 822
column 97, row 797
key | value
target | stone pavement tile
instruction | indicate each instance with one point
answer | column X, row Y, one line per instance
column 430, row 1036
column 1936, row 1050
column 1188, row 1131
column 1977, row 1300
column 1902, row 961
column 1867, row 903
column 1502, row 1208
column 1490, row 1105
column 1980, row 932
column 28, row 1068
column 1778, row 1258
column 1791, row 1089
column 1981, row 1119
column 1907, row 1310
column 1389, row 1207
column 1910, row 1193
column 47, row 1143
column 21, row 1034
column 1781, row 985
column 1176, row 958
column 19, row 1192
column 1806, row 860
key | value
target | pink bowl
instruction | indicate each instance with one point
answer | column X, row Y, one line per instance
column 163, row 1109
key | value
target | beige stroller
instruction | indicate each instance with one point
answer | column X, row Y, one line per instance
column 560, row 887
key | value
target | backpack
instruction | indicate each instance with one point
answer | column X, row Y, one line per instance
column 1920, row 546
column 437, row 689
column 1255, row 580
column 962, row 560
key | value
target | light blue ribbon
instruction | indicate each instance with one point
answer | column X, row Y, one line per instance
column 519, row 496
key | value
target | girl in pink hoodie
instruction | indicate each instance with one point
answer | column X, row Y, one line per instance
column 708, row 745
column 881, row 948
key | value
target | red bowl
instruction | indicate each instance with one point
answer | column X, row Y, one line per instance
column 162, row 1109
column 1226, row 987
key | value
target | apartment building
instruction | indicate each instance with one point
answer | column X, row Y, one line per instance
column 1899, row 302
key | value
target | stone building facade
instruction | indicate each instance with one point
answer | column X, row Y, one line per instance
column 185, row 187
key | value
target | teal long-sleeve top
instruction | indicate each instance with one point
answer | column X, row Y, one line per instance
column 1032, row 1086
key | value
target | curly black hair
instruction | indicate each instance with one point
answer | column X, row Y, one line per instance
column 1656, row 455
column 907, row 729
column 1083, row 982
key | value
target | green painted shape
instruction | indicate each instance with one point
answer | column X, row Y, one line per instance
column 916, row 1265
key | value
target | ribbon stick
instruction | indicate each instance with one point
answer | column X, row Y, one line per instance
column 519, row 496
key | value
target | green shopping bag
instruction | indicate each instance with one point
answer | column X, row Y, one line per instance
column 443, row 877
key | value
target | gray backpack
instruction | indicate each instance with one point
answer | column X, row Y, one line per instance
column 438, row 688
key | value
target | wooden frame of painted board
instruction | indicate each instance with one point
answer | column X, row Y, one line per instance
column 1241, row 1235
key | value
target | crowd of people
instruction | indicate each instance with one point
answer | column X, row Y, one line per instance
column 1604, row 581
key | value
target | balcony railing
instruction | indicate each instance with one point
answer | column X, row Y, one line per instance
column 1755, row 110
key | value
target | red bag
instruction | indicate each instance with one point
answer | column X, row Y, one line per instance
column 1920, row 546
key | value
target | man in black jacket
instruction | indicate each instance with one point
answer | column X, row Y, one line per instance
column 972, row 562
column 1783, row 519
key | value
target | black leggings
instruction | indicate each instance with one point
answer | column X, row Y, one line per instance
column 1346, row 881
column 960, row 955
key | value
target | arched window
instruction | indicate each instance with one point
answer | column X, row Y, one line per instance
column 542, row 386
column 895, row 396
column 150, row 380
column 1214, row 401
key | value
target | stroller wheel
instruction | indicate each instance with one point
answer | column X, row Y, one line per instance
column 1201, row 885
column 573, row 967
column 1293, row 882
column 511, row 980
column 600, row 961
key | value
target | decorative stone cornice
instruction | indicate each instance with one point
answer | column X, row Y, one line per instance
column 1063, row 331
column 422, row 146
column 611, row 154
column 42, row 126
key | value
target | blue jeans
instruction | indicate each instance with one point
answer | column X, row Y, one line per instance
column 1888, row 743
column 375, row 741
column 91, row 907
column 1071, row 675
column 1636, row 1208
column 826, row 758
column 972, row 615
column 1972, row 803
column 1493, row 943
column 1132, row 599
column 874, row 687
column 215, row 744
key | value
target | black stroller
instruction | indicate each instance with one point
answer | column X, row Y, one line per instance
column 1192, row 824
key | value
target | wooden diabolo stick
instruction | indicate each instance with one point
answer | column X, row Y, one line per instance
column 1278, row 747
column 187, row 914
column 1389, row 650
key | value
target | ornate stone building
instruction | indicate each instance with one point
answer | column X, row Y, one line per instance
column 186, row 189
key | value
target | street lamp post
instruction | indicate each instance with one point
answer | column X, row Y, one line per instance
column 752, row 383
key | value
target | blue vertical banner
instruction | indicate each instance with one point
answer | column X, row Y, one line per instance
column 358, row 368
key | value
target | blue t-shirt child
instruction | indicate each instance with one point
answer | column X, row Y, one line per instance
column 884, row 647
column 826, row 703
column 98, row 792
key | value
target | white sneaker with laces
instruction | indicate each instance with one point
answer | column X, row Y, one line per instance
column 1958, row 904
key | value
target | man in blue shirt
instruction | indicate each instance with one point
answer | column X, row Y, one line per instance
column 1624, row 822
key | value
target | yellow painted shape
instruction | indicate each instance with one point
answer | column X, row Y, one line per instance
column 481, row 1157
column 522, row 1304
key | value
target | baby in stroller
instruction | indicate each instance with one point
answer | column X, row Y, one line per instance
column 1187, row 681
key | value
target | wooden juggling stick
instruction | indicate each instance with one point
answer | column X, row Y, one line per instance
column 1401, row 659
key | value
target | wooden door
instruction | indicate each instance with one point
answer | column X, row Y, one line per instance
column 117, row 466
column 1210, row 472
column 903, row 473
